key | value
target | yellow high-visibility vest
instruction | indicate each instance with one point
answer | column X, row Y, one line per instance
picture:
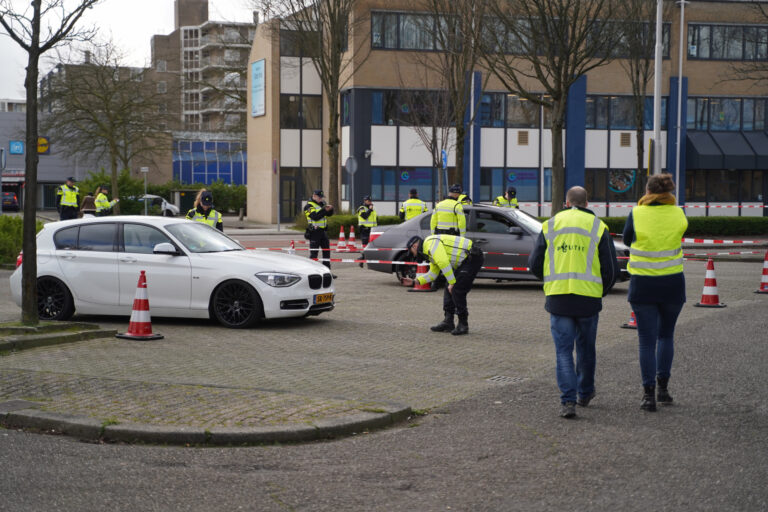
column 370, row 222
column 102, row 203
column 68, row 195
column 212, row 219
column 657, row 248
column 504, row 202
column 446, row 253
column 413, row 207
column 314, row 207
column 448, row 214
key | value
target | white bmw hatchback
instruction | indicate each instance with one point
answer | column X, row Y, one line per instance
column 92, row 266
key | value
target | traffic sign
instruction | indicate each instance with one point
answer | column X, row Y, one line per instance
column 16, row 147
column 444, row 158
column 43, row 147
column 145, row 169
column 351, row 165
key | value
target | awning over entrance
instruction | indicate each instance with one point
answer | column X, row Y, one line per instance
column 726, row 150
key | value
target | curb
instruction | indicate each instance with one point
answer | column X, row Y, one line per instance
column 24, row 415
column 44, row 340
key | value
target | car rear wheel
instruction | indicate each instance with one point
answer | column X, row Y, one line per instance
column 402, row 271
column 236, row 305
column 54, row 301
column 168, row 213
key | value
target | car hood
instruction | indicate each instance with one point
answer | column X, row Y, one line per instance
column 267, row 261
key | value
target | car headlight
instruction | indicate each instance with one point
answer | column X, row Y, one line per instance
column 278, row 279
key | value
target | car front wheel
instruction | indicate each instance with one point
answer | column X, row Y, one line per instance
column 54, row 302
column 236, row 305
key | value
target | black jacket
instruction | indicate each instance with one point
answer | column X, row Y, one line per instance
column 319, row 214
column 572, row 304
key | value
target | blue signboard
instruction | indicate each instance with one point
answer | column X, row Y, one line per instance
column 16, row 147
column 444, row 157
column 258, row 87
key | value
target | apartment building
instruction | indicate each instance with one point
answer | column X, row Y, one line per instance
column 723, row 167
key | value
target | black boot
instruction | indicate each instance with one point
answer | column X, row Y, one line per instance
column 663, row 396
column 462, row 327
column 445, row 326
column 649, row 399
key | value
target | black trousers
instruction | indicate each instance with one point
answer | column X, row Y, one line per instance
column 68, row 212
column 318, row 239
column 365, row 234
column 456, row 302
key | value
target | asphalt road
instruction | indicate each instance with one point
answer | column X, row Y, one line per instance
column 502, row 448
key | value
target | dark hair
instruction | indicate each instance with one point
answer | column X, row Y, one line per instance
column 660, row 183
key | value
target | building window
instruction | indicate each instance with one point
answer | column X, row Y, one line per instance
column 294, row 44
column 724, row 114
column 290, row 107
column 727, row 42
column 723, row 186
column 384, row 108
column 162, row 87
column 491, row 110
column 345, row 106
column 420, row 178
column 231, row 55
column 301, row 112
column 625, row 185
column 751, row 186
column 495, row 181
column 383, row 184
column 522, row 113
column 595, row 181
column 383, row 30
column 162, row 66
column 312, row 112
column 416, row 32
column 597, row 113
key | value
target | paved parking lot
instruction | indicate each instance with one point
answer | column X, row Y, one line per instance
column 375, row 348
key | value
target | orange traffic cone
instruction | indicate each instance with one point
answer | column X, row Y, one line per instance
column 764, row 280
column 709, row 296
column 422, row 268
column 342, row 245
column 352, row 246
column 140, row 326
column 632, row 324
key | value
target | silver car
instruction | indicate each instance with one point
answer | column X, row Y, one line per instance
column 507, row 236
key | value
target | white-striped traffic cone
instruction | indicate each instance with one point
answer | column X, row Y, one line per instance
column 352, row 245
column 140, row 326
column 422, row 268
column 292, row 248
column 341, row 246
column 764, row 280
column 709, row 296
column 632, row 324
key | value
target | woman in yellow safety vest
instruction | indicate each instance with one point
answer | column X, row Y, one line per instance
column 654, row 232
column 103, row 204
column 204, row 212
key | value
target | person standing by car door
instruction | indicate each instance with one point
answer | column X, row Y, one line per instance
column 103, row 204
column 204, row 212
column 448, row 217
column 508, row 200
column 366, row 219
column 653, row 232
column 317, row 213
column 576, row 259
column 413, row 206
column 459, row 262
column 68, row 200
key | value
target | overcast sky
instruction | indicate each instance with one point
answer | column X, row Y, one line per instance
column 129, row 23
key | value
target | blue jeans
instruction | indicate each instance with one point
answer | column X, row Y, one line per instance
column 565, row 331
column 656, row 331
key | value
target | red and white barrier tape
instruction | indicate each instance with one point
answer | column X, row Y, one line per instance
column 705, row 241
column 373, row 249
column 388, row 262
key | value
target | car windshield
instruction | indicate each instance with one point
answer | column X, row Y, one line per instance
column 199, row 237
column 529, row 223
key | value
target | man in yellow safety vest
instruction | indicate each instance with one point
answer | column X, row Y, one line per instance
column 366, row 219
column 413, row 206
column 576, row 259
column 508, row 200
column 68, row 200
column 317, row 213
column 448, row 216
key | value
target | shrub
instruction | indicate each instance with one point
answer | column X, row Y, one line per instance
column 11, row 238
column 335, row 221
column 709, row 226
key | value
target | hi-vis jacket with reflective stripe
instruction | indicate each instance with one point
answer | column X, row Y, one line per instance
column 504, row 202
column 448, row 214
column 311, row 208
column 571, row 262
column 464, row 199
column 68, row 195
column 102, row 203
column 369, row 221
column 212, row 219
column 657, row 250
column 445, row 253
column 411, row 208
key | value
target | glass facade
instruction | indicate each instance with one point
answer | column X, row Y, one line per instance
column 494, row 182
column 726, row 114
column 206, row 162
column 725, row 185
column 618, row 113
column 728, row 42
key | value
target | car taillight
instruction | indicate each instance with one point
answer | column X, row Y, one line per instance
column 19, row 259
column 373, row 236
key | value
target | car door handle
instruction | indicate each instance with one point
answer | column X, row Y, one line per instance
column 128, row 259
column 69, row 256
column 480, row 241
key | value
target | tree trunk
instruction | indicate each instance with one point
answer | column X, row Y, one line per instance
column 458, row 173
column 558, row 166
column 113, row 175
column 29, row 313
column 334, row 171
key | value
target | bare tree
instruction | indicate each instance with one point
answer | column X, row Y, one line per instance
column 549, row 44
column 23, row 25
column 325, row 30
column 754, row 70
column 103, row 109
column 636, row 53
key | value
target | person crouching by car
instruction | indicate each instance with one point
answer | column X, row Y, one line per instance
column 204, row 212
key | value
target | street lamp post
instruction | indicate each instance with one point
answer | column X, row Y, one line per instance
column 679, row 96
column 656, row 168
column 145, row 171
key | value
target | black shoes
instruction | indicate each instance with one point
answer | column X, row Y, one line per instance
column 461, row 328
column 583, row 401
column 662, row 394
column 445, row 326
column 568, row 410
column 649, row 399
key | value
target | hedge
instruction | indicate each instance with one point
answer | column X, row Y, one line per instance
column 709, row 226
column 347, row 220
column 11, row 238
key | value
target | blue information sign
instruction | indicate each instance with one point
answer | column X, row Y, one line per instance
column 16, row 147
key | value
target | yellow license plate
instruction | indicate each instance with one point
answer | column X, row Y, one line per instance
column 323, row 298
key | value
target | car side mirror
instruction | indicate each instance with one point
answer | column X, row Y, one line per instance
column 516, row 230
column 165, row 248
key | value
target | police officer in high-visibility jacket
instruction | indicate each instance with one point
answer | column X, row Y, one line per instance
column 68, row 200
column 459, row 262
column 653, row 232
column 508, row 200
column 103, row 204
column 204, row 212
column 463, row 198
column 366, row 219
column 413, row 206
column 576, row 259
column 317, row 213
column 448, row 217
